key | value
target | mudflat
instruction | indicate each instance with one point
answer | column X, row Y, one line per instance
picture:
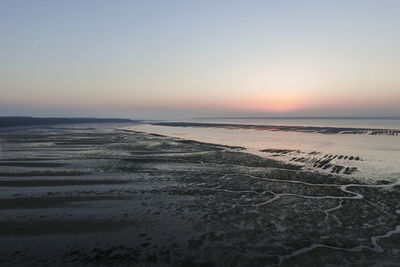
column 105, row 196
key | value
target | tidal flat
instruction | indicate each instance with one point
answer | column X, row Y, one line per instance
column 105, row 196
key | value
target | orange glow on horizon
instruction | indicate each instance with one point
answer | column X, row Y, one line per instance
column 283, row 102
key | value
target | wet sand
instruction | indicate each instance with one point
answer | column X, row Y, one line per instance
column 79, row 196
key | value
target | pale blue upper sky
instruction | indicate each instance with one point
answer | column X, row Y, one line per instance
column 195, row 58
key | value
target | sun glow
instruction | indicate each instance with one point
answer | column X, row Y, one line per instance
column 276, row 104
column 264, row 102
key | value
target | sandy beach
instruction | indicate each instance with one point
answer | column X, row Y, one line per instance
column 104, row 196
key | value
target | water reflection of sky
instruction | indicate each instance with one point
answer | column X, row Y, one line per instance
column 380, row 153
column 360, row 123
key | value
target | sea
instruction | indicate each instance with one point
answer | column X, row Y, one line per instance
column 367, row 157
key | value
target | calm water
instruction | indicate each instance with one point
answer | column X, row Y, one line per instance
column 380, row 154
column 352, row 123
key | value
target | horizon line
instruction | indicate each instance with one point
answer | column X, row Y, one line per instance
column 309, row 117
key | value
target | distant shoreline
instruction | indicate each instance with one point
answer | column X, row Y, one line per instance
column 311, row 129
column 31, row 121
column 298, row 118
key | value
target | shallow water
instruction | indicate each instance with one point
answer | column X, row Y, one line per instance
column 379, row 154
column 353, row 123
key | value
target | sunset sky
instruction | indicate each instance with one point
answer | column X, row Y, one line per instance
column 166, row 59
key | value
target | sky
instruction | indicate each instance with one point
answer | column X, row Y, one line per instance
column 180, row 59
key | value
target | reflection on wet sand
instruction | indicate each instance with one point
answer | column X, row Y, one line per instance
column 285, row 128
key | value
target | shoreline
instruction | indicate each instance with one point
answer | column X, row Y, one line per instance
column 312, row 129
